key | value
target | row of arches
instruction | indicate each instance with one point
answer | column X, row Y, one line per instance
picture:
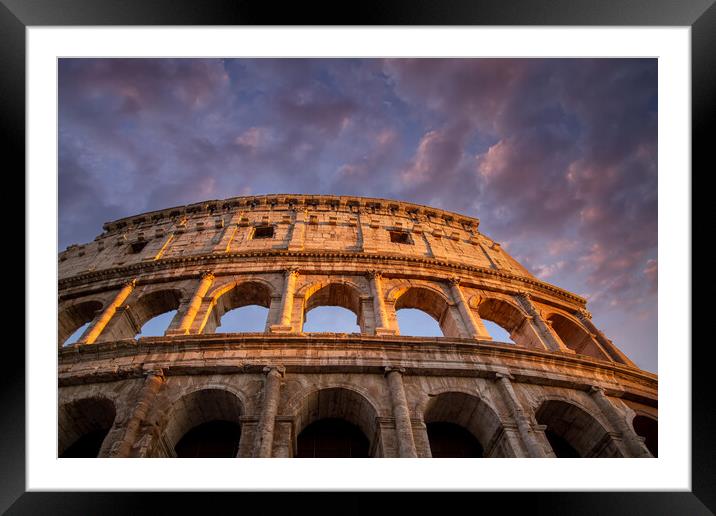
column 336, row 307
column 321, row 319
column 340, row 422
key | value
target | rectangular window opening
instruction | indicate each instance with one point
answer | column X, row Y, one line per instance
column 263, row 232
column 136, row 247
column 400, row 237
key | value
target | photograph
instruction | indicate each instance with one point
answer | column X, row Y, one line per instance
column 399, row 246
column 345, row 258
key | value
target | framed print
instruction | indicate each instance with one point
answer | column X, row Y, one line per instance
column 362, row 164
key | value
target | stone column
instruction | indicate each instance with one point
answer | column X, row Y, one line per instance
column 274, row 315
column 487, row 255
column 368, row 243
column 474, row 330
column 159, row 251
column 403, row 425
column 633, row 443
column 264, row 432
column 247, row 443
column 283, row 437
column 545, row 332
column 108, row 313
column 223, row 242
column 541, row 437
column 289, row 290
column 163, row 249
column 298, row 234
column 207, row 278
column 434, row 243
column 526, row 334
column 422, row 441
column 152, row 384
column 382, row 326
column 519, row 416
column 614, row 352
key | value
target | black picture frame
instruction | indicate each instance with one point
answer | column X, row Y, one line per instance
column 17, row 15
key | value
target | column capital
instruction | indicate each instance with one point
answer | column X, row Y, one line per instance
column 596, row 389
column 454, row 281
column 280, row 370
column 154, row 373
column 130, row 283
column 291, row 271
column 207, row 275
column 524, row 294
column 374, row 274
column 500, row 376
column 390, row 369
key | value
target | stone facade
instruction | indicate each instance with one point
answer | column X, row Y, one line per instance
column 292, row 253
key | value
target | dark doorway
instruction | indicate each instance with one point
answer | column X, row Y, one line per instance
column 451, row 440
column 87, row 446
column 648, row 428
column 215, row 439
column 331, row 437
column 562, row 449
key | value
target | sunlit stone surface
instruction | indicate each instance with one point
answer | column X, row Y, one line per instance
column 555, row 387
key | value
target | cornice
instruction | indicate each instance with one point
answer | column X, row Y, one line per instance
column 212, row 259
column 431, row 361
column 306, row 200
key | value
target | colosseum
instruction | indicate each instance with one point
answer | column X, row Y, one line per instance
column 559, row 388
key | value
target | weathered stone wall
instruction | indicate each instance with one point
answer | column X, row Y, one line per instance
column 321, row 223
column 206, row 259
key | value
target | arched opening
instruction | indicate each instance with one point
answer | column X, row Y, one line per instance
column 157, row 325
column 451, row 440
column 333, row 319
column 331, row 437
column 247, row 319
column 204, row 423
column 72, row 339
column 479, row 432
column 416, row 323
column 129, row 323
column 575, row 337
column 336, row 422
column 74, row 320
column 327, row 301
column 154, row 304
column 431, row 303
column 83, row 427
column 251, row 297
column 505, row 323
column 648, row 428
column 573, row 432
column 562, row 449
column 497, row 332
column 214, row 439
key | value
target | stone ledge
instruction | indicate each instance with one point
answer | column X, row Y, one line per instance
column 205, row 259
column 309, row 350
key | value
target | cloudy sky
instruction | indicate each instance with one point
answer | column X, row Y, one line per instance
column 556, row 157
